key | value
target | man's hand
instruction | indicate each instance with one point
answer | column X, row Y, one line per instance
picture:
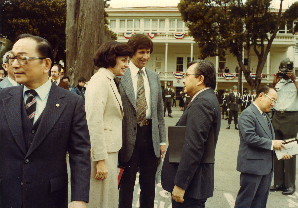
column 275, row 80
column 286, row 157
column 101, row 170
column 163, row 149
column 278, row 144
column 291, row 75
column 178, row 194
column 77, row 204
column 228, row 109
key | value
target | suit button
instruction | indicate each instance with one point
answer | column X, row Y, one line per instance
column 134, row 128
column 27, row 161
column 33, row 131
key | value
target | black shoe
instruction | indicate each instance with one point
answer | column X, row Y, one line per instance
column 236, row 128
column 228, row 127
column 277, row 188
column 289, row 191
column 226, row 118
column 170, row 115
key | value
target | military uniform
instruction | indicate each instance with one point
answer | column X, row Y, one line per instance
column 168, row 96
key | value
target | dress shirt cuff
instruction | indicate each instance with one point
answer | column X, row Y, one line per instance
column 163, row 143
column 272, row 146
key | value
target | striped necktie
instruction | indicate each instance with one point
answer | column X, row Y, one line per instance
column 141, row 100
column 31, row 104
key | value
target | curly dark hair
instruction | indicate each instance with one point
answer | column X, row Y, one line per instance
column 107, row 53
column 140, row 41
column 207, row 69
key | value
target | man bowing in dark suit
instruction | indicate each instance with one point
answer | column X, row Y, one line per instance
column 255, row 155
column 40, row 122
column 192, row 180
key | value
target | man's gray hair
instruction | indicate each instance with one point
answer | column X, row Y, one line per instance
column 6, row 57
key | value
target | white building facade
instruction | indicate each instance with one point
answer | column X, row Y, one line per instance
column 173, row 47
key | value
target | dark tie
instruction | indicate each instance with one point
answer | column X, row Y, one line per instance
column 266, row 119
column 31, row 104
column 141, row 100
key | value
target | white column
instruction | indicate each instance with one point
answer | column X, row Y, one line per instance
column 191, row 51
column 166, row 61
column 268, row 65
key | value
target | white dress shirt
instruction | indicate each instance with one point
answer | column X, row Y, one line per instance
column 134, row 77
column 41, row 99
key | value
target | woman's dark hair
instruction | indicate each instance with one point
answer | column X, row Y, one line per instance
column 207, row 69
column 107, row 53
column 140, row 41
column 44, row 48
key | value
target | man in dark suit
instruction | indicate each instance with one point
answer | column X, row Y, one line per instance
column 9, row 81
column 255, row 155
column 40, row 122
column 143, row 126
column 233, row 101
column 192, row 180
column 55, row 74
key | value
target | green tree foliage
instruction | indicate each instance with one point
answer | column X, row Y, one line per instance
column 45, row 18
column 106, row 23
column 232, row 25
column 291, row 15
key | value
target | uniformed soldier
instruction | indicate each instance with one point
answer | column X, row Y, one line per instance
column 233, row 106
column 168, row 99
column 224, row 104
column 244, row 100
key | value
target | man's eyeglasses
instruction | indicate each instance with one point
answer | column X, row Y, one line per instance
column 272, row 100
column 186, row 74
column 22, row 59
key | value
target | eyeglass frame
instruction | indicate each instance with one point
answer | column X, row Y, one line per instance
column 12, row 59
column 272, row 100
column 186, row 75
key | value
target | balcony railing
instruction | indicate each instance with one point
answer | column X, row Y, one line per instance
column 220, row 77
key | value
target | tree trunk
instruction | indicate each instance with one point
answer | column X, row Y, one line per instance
column 85, row 32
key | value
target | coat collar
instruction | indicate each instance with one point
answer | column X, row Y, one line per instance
column 111, row 77
column 260, row 118
column 12, row 108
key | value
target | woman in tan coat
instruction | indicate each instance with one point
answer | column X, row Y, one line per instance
column 104, row 117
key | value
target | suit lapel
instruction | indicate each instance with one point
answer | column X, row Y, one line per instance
column 12, row 108
column 261, row 120
column 127, row 85
column 153, row 87
column 54, row 108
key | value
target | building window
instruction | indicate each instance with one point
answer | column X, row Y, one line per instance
column 130, row 25
column 162, row 25
column 112, row 24
column 172, row 25
column 179, row 65
column 154, row 25
column 177, row 25
column 189, row 60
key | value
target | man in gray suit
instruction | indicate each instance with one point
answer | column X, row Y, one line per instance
column 255, row 155
column 9, row 81
column 143, row 127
